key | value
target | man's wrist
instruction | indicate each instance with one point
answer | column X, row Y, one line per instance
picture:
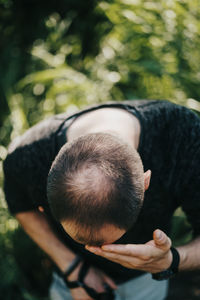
column 165, row 263
column 172, row 269
column 64, row 260
column 183, row 258
column 72, row 266
column 74, row 275
column 169, row 260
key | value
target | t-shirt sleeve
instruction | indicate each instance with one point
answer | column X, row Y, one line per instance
column 188, row 166
column 15, row 187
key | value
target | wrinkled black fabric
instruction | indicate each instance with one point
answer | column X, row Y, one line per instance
column 169, row 146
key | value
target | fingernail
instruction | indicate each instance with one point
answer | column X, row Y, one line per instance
column 91, row 249
column 159, row 235
column 106, row 248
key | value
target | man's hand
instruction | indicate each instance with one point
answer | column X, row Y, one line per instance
column 154, row 256
column 94, row 279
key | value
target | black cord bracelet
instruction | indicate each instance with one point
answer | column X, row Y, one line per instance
column 71, row 267
column 109, row 294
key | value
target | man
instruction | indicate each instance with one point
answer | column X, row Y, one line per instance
column 120, row 172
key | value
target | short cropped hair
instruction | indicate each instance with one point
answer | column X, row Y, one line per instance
column 96, row 179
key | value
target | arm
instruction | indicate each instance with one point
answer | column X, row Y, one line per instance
column 190, row 255
column 154, row 256
column 37, row 227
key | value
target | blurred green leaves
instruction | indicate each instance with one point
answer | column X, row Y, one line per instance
column 122, row 49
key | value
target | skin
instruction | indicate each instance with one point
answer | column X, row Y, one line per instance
column 152, row 257
column 108, row 234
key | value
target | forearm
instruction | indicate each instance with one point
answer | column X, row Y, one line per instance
column 38, row 228
column 190, row 255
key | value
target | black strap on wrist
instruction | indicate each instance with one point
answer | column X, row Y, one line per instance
column 80, row 282
column 90, row 291
column 175, row 260
column 172, row 270
column 71, row 267
column 107, row 295
column 68, row 271
column 72, row 284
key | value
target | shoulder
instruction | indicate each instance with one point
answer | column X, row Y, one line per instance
column 42, row 130
column 33, row 147
column 166, row 112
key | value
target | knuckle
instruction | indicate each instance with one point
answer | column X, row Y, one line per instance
column 170, row 242
column 145, row 257
column 128, row 248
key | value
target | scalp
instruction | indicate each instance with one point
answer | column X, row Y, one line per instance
column 97, row 178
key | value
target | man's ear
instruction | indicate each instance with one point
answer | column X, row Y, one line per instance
column 147, row 177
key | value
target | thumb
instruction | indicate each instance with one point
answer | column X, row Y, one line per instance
column 161, row 240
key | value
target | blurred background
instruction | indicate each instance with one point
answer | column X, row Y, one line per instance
column 62, row 55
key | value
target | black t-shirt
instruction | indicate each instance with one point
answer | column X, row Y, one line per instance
column 169, row 146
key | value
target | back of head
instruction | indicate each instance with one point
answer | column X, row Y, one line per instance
column 96, row 179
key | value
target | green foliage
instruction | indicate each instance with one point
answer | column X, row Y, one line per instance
column 181, row 231
column 67, row 54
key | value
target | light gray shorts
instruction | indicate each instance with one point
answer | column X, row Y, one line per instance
column 140, row 288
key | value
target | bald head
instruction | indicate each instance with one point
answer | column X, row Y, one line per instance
column 96, row 179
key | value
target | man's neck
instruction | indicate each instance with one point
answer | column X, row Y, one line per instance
column 115, row 121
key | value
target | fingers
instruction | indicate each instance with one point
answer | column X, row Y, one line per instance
column 160, row 242
column 120, row 249
column 125, row 260
column 161, row 239
column 129, row 250
column 110, row 282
